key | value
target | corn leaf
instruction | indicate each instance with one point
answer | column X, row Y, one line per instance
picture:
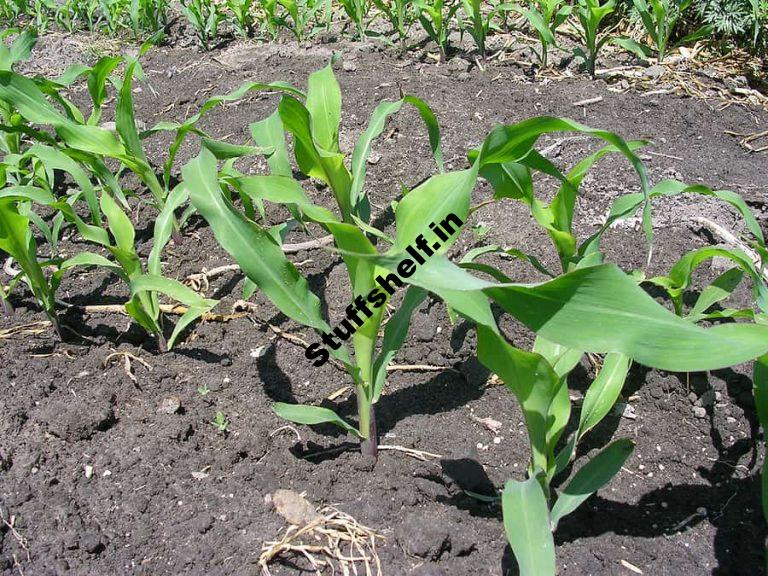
column 196, row 304
column 257, row 253
column 603, row 392
column 595, row 474
column 303, row 414
column 526, row 522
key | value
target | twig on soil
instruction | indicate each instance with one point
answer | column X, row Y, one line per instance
column 747, row 139
column 10, row 524
column 175, row 309
column 327, row 535
column 630, row 567
column 417, row 368
column 418, row 454
column 200, row 282
column 662, row 155
column 31, row 329
column 339, row 393
column 588, row 101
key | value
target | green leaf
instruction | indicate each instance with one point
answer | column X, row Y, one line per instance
column 623, row 318
column 535, row 385
column 760, row 390
column 526, row 522
column 164, row 224
column 720, row 289
column 395, row 333
column 595, row 474
column 434, row 200
column 303, row 414
column 196, row 304
column 269, row 133
column 16, row 240
column 225, row 151
column 313, row 160
column 24, row 95
column 255, row 251
column 603, row 392
column 324, row 106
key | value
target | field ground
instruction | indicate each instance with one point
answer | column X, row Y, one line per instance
column 169, row 494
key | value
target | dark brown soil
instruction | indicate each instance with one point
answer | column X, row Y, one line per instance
column 143, row 512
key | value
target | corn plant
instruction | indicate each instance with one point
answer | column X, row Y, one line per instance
column 660, row 19
column 13, row 10
column 17, row 240
column 399, row 14
column 545, row 16
column 148, row 16
column 478, row 24
column 591, row 14
column 435, row 18
column 590, row 307
column 357, row 11
column 243, row 18
column 314, row 126
column 114, row 15
column 204, row 16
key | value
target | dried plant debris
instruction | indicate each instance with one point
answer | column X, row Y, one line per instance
column 330, row 540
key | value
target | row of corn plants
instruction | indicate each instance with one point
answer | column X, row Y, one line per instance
column 664, row 24
column 65, row 172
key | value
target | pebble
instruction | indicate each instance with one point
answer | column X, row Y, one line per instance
column 699, row 412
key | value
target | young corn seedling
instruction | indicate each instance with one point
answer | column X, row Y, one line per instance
column 533, row 508
column 545, row 16
column 660, row 19
column 204, row 16
column 314, row 126
column 435, row 17
column 357, row 11
column 17, row 240
column 300, row 14
column 591, row 307
column 11, row 11
column 148, row 16
column 399, row 14
column 114, row 15
column 479, row 24
column 243, row 18
column 591, row 14
column 748, row 257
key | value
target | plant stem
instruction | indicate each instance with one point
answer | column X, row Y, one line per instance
column 369, row 445
column 162, row 344
column 7, row 308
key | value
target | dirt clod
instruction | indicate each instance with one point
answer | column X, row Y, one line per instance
column 294, row 507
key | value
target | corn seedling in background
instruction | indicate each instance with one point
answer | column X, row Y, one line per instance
column 314, row 125
column 478, row 24
column 243, row 18
column 148, row 16
column 545, row 16
column 435, row 18
column 204, row 16
column 591, row 14
column 357, row 11
column 660, row 19
column 399, row 14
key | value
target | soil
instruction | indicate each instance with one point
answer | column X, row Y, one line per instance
column 167, row 493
